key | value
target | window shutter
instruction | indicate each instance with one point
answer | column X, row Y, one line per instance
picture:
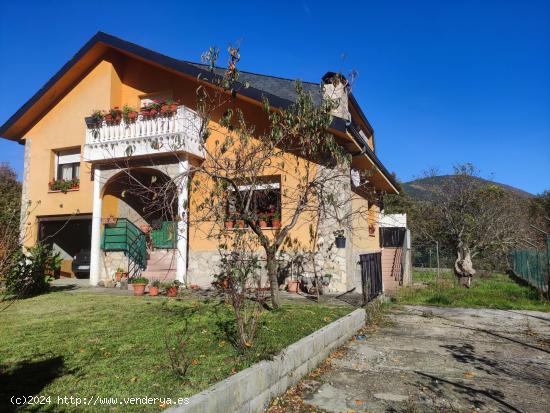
column 65, row 157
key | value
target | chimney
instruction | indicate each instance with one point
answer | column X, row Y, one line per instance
column 336, row 88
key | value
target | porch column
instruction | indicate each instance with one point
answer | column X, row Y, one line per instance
column 183, row 196
column 96, row 230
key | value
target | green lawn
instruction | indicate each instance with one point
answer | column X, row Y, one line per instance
column 494, row 291
column 84, row 344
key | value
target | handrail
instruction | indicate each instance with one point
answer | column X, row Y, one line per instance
column 133, row 244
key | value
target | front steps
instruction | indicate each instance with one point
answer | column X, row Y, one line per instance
column 161, row 265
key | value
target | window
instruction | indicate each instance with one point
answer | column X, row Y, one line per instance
column 67, row 164
column 265, row 203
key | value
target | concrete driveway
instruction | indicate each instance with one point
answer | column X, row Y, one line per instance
column 428, row 359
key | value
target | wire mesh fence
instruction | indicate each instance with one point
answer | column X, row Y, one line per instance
column 533, row 267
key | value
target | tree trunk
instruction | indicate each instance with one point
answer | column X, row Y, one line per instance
column 271, row 264
column 463, row 268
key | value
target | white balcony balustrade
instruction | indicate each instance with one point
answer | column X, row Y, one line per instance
column 146, row 136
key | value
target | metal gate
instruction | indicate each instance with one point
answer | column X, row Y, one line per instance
column 371, row 275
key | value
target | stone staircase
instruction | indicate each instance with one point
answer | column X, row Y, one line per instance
column 161, row 265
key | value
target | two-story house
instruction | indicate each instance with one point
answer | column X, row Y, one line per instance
column 78, row 172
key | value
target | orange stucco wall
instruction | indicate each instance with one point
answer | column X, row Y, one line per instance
column 365, row 213
column 63, row 127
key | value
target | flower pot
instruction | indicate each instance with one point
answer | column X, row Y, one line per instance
column 164, row 109
column 172, row 291
column 153, row 112
column 139, row 288
column 229, row 224
column 174, row 107
column 108, row 118
column 340, row 241
column 153, row 291
column 119, row 276
column 132, row 116
column 293, row 286
column 276, row 223
column 239, row 223
column 92, row 123
column 262, row 223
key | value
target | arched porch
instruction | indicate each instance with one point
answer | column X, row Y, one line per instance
column 139, row 221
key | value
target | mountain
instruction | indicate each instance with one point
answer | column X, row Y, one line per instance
column 423, row 188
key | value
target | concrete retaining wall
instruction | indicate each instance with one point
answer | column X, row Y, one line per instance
column 251, row 390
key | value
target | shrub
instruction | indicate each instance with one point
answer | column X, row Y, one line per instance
column 28, row 277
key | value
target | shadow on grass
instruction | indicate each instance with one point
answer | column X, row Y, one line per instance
column 59, row 288
column 28, row 378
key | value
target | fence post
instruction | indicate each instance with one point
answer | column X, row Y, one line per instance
column 437, row 257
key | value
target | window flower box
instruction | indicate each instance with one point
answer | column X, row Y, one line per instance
column 64, row 185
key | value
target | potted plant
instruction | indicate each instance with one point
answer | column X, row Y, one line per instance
column 292, row 286
column 94, row 120
column 116, row 113
column 262, row 222
column 171, row 288
column 239, row 223
column 230, row 221
column 164, row 109
column 173, row 105
column 120, row 274
column 154, row 288
column 61, row 185
column 222, row 281
column 326, row 279
column 276, row 220
column 108, row 117
column 144, row 111
column 129, row 114
column 139, row 284
column 340, row 240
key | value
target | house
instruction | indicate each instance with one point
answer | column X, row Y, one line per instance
column 80, row 173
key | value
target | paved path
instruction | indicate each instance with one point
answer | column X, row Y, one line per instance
column 428, row 359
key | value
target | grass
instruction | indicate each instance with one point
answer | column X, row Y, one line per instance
column 494, row 291
column 85, row 344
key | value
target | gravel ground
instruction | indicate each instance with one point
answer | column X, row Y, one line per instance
column 429, row 359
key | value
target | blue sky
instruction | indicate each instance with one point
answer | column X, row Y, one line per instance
column 442, row 83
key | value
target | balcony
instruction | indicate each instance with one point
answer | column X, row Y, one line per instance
column 145, row 136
